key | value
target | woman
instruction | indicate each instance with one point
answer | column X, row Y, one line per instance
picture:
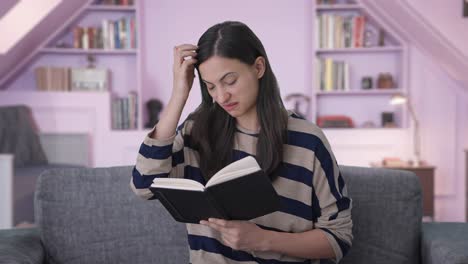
column 242, row 114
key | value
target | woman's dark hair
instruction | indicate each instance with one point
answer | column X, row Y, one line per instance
column 213, row 130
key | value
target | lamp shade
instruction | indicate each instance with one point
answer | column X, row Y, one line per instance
column 398, row 99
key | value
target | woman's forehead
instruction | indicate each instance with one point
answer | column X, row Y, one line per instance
column 216, row 68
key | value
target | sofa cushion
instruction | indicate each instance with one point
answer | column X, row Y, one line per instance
column 92, row 216
column 18, row 136
column 445, row 243
column 387, row 213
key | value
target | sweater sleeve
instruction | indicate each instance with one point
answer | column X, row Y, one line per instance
column 330, row 201
column 158, row 158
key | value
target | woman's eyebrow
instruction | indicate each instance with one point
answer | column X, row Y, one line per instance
column 224, row 76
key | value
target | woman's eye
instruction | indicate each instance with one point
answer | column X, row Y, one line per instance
column 231, row 83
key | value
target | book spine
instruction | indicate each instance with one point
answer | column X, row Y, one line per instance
column 216, row 205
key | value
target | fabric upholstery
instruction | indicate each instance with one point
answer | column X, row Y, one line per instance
column 387, row 212
column 22, row 245
column 92, row 216
column 18, row 136
column 445, row 243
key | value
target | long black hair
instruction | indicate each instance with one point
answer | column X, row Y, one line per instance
column 213, row 130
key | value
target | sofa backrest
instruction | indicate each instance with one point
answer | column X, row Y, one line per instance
column 387, row 213
column 92, row 216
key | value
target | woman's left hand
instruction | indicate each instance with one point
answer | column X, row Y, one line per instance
column 239, row 235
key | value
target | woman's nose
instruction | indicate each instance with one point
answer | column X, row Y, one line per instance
column 223, row 96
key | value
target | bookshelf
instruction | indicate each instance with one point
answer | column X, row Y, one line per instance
column 350, row 45
column 115, row 47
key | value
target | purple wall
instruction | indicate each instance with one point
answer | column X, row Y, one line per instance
column 284, row 28
column 34, row 38
column 447, row 18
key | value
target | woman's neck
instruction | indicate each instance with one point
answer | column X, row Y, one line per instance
column 249, row 122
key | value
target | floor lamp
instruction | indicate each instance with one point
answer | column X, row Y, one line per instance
column 399, row 99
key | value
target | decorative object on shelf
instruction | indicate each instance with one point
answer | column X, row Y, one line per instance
column 388, row 120
column 366, row 83
column 301, row 103
column 385, row 81
column 335, row 121
column 381, row 37
column 63, row 45
column 393, row 162
column 91, row 59
column 89, row 79
column 465, row 8
column 154, row 107
column 369, row 38
column 399, row 99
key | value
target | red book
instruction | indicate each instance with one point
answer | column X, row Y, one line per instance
column 359, row 22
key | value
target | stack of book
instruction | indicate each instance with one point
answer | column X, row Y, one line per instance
column 119, row 34
column 332, row 75
column 338, row 31
column 49, row 78
column 125, row 112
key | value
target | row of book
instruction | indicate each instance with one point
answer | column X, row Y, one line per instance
column 332, row 75
column 119, row 34
column 125, row 112
column 115, row 2
column 51, row 78
column 337, row 31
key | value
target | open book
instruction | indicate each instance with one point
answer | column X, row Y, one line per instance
column 239, row 191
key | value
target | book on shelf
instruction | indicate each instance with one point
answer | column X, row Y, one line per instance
column 112, row 34
column 51, row 78
column 339, row 31
column 332, row 75
column 239, row 191
column 125, row 112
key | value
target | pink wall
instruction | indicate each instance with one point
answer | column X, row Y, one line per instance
column 284, row 28
column 446, row 17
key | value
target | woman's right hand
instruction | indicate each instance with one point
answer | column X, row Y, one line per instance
column 184, row 69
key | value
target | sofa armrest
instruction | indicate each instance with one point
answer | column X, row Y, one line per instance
column 21, row 245
column 444, row 243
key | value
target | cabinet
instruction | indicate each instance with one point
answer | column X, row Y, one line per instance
column 351, row 50
column 123, row 61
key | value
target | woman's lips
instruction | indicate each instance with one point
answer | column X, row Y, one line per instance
column 229, row 107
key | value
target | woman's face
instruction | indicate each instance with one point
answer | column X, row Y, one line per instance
column 233, row 84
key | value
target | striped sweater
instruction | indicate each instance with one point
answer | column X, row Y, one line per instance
column 311, row 188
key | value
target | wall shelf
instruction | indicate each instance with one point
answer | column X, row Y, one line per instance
column 71, row 51
column 361, row 50
column 338, row 7
column 361, row 92
column 110, row 8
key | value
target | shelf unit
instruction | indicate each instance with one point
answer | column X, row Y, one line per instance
column 124, row 64
column 361, row 105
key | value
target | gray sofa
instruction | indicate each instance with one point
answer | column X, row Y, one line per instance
column 92, row 216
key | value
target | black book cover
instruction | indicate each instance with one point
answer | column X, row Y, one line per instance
column 243, row 198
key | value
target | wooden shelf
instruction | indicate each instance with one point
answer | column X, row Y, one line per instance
column 71, row 51
column 338, row 7
column 360, row 92
column 111, row 8
column 360, row 50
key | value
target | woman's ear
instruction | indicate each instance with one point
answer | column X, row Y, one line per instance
column 259, row 65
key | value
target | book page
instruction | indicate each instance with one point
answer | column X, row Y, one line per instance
column 176, row 183
column 234, row 170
